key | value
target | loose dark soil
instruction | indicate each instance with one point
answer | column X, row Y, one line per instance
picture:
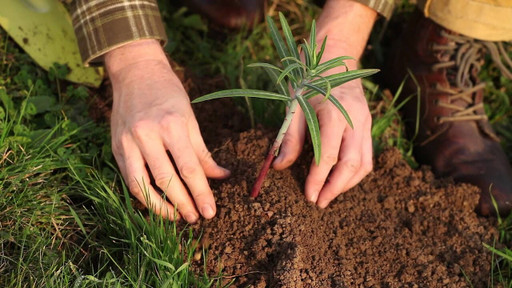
column 398, row 228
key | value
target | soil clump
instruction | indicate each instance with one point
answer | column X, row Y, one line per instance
column 399, row 227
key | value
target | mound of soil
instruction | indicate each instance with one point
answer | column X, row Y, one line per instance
column 398, row 228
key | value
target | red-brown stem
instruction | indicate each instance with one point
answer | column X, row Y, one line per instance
column 264, row 170
column 275, row 146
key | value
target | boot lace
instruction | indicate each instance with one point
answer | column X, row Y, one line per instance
column 462, row 57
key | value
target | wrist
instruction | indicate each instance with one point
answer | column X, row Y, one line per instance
column 142, row 61
column 348, row 25
column 134, row 54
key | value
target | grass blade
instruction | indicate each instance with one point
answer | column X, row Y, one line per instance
column 242, row 93
column 313, row 126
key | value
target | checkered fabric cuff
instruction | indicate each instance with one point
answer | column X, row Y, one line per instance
column 102, row 25
column 383, row 7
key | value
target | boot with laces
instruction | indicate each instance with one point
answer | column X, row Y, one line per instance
column 445, row 114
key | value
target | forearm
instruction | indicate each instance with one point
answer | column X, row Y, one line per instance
column 347, row 25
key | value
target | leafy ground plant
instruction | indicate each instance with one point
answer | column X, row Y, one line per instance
column 297, row 81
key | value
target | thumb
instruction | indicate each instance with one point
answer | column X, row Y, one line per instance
column 293, row 142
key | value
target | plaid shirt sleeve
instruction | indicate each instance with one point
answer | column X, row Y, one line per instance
column 383, row 7
column 102, row 25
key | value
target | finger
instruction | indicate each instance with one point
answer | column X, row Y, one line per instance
column 178, row 142
column 347, row 167
column 366, row 157
column 136, row 177
column 330, row 137
column 165, row 176
column 293, row 142
column 210, row 167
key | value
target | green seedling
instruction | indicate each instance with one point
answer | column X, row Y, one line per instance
column 297, row 81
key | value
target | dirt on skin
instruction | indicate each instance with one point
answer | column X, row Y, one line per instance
column 398, row 228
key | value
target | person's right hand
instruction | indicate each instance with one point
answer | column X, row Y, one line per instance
column 151, row 115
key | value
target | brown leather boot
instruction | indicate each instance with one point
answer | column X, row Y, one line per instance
column 232, row 14
column 454, row 136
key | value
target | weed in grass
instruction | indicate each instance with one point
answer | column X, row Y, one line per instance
column 304, row 77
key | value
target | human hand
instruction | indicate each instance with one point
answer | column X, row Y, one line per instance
column 347, row 155
column 151, row 115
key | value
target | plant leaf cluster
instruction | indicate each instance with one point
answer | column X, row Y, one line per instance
column 302, row 74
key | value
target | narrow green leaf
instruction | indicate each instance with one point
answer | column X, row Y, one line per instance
column 321, row 52
column 296, row 61
column 182, row 267
column 281, row 86
column 505, row 254
column 161, row 262
column 307, row 52
column 328, row 91
column 316, row 88
column 313, row 126
column 342, row 110
column 286, row 72
column 242, row 93
column 78, row 220
column 333, row 101
column 339, row 79
column 330, row 64
column 312, row 41
column 265, row 65
column 281, row 48
column 292, row 45
column 280, row 45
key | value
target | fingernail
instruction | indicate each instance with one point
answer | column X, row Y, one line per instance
column 226, row 171
column 322, row 205
column 313, row 197
column 279, row 160
column 191, row 217
column 207, row 211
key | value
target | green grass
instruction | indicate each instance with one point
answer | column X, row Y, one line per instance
column 66, row 220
